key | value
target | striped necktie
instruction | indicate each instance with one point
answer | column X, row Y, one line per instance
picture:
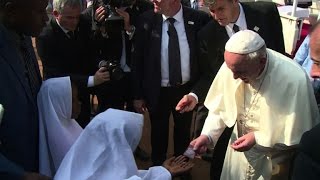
column 31, row 67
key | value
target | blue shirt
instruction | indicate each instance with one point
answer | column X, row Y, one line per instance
column 302, row 56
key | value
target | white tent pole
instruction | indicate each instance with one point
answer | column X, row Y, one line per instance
column 294, row 8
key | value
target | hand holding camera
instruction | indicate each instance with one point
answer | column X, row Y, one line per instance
column 100, row 14
column 114, row 68
column 101, row 76
column 126, row 18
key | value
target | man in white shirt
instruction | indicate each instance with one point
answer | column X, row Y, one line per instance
column 164, row 68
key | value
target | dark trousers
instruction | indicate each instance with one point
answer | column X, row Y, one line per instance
column 84, row 116
column 219, row 153
column 221, row 146
column 199, row 119
column 115, row 94
column 168, row 99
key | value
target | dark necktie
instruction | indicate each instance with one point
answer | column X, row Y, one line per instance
column 175, row 77
column 31, row 68
column 71, row 34
column 235, row 28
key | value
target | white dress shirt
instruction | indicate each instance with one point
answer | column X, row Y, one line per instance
column 241, row 22
column 123, row 62
column 184, row 49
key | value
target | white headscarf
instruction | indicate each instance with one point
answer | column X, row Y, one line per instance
column 57, row 131
column 104, row 150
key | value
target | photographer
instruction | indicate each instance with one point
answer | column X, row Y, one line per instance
column 64, row 49
column 113, row 44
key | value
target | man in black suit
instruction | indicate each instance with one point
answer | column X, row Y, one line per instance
column 65, row 50
column 307, row 162
column 166, row 34
column 113, row 42
column 20, row 82
column 230, row 16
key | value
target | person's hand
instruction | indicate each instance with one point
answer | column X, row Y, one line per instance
column 186, row 104
column 178, row 166
column 200, row 144
column 35, row 176
column 101, row 76
column 244, row 143
column 126, row 17
column 140, row 106
column 100, row 14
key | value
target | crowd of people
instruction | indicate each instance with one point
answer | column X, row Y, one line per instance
column 219, row 63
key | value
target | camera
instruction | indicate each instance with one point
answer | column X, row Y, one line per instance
column 114, row 20
column 116, row 73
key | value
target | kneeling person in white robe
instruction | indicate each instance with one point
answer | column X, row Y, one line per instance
column 104, row 151
column 268, row 99
column 58, row 105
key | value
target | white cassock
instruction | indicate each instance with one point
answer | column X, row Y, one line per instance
column 279, row 107
column 104, row 150
column 57, row 131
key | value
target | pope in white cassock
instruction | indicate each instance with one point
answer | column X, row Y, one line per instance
column 268, row 99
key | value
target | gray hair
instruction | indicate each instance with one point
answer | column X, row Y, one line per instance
column 59, row 5
column 209, row 3
column 260, row 53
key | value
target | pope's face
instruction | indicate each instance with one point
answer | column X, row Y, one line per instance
column 241, row 67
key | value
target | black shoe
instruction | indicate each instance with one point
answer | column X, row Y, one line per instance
column 141, row 154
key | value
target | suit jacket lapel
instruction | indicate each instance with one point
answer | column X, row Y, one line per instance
column 223, row 32
column 57, row 29
column 11, row 55
column 188, row 27
column 250, row 16
column 156, row 36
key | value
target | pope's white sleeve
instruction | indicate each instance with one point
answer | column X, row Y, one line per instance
column 213, row 127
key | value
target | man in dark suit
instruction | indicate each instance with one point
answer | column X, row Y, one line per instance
column 65, row 50
column 20, row 78
column 307, row 162
column 112, row 43
column 230, row 16
column 166, row 39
